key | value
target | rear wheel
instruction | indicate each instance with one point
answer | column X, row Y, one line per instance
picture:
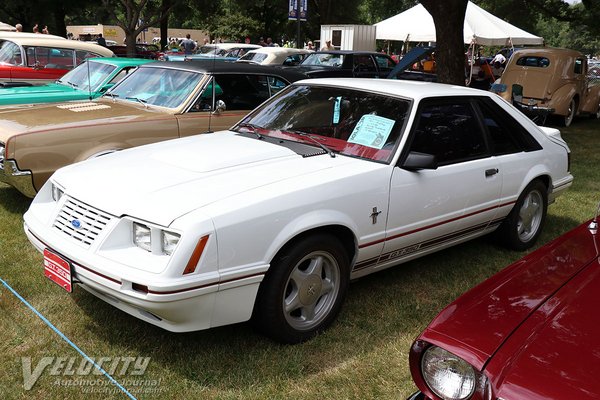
column 524, row 224
column 568, row 119
column 303, row 290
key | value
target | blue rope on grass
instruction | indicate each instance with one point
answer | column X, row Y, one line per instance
column 66, row 339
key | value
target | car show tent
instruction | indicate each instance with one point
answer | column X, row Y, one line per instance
column 480, row 27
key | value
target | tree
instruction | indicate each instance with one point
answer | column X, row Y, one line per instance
column 448, row 17
column 134, row 16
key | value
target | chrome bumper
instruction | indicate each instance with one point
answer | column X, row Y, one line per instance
column 20, row 180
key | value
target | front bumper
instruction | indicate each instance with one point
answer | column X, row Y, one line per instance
column 174, row 303
column 21, row 180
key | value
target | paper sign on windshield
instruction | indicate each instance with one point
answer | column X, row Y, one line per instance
column 372, row 131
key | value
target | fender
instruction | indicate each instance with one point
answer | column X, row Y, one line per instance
column 306, row 222
column 561, row 98
column 592, row 100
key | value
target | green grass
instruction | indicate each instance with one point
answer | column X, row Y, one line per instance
column 364, row 354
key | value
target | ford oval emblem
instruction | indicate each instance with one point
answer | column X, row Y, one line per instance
column 76, row 223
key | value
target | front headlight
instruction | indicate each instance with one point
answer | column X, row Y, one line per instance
column 448, row 376
column 154, row 240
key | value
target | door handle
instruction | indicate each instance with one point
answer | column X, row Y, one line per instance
column 490, row 172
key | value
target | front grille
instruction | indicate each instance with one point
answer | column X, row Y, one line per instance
column 81, row 222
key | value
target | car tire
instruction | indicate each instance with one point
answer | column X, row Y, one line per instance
column 304, row 289
column 571, row 112
column 522, row 227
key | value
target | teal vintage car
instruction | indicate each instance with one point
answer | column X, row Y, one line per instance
column 87, row 81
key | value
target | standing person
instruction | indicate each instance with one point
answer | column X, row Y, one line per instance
column 188, row 45
column 101, row 41
column 36, row 29
column 310, row 46
column 45, row 30
column 19, row 27
column 328, row 46
column 270, row 42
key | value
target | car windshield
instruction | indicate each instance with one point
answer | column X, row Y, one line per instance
column 88, row 76
column 165, row 87
column 10, row 53
column 331, row 60
column 347, row 121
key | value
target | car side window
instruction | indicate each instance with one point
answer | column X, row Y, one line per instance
column 364, row 63
column 450, row 131
column 501, row 137
column 237, row 91
column 579, row 65
column 275, row 84
column 385, row 64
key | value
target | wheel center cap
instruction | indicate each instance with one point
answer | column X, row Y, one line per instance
column 310, row 290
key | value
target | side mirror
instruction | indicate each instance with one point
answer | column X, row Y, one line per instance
column 417, row 161
column 219, row 107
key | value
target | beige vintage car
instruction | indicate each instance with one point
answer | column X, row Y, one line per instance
column 158, row 101
column 552, row 80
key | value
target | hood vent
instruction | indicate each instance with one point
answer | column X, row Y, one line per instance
column 80, row 107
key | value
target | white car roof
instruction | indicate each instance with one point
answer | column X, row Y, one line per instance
column 22, row 35
column 286, row 50
column 60, row 43
column 411, row 89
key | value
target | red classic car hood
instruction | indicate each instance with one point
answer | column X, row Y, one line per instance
column 162, row 181
column 555, row 355
column 477, row 324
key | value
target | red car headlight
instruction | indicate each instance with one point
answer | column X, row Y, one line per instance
column 441, row 374
column 447, row 375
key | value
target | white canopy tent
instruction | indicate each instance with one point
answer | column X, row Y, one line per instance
column 7, row 27
column 481, row 27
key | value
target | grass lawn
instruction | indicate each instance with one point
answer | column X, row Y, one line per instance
column 362, row 356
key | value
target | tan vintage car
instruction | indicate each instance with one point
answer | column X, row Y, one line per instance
column 158, row 101
column 552, row 80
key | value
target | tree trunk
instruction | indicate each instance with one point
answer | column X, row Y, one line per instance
column 448, row 17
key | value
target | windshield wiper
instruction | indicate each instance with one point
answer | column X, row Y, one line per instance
column 73, row 85
column 144, row 102
column 315, row 141
column 113, row 96
column 252, row 129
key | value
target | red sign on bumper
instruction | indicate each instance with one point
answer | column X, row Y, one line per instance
column 58, row 270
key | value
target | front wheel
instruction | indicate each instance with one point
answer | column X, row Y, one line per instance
column 303, row 291
column 524, row 224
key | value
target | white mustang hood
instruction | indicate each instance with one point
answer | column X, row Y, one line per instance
column 163, row 181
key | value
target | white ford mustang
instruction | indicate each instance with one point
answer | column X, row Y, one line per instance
column 330, row 180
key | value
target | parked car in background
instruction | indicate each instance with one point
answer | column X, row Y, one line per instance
column 330, row 180
column 87, row 81
column 529, row 332
column 158, row 101
column 347, row 63
column 215, row 52
column 275, row 56
column 35, row 61
column 552, row 79
column 142, row 50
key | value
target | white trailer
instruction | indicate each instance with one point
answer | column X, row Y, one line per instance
column 349, row 37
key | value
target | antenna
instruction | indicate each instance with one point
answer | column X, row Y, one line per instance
column 214, row 92
column 213, row 102
column 89, row 79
